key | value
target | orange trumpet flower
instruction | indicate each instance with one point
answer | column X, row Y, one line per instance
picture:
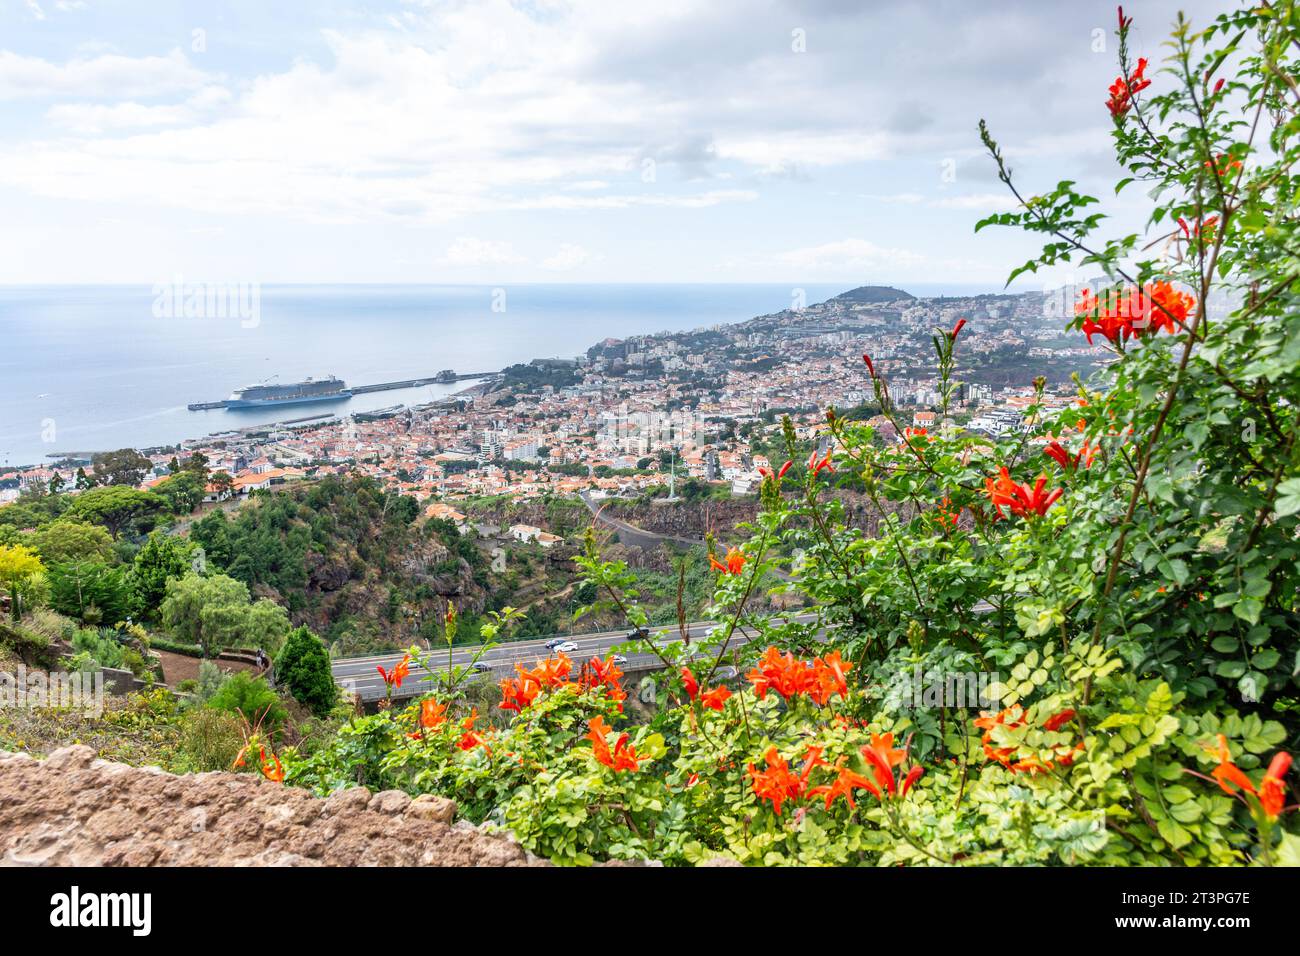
column 716, row 698
column 735, row 562
column 622, row 757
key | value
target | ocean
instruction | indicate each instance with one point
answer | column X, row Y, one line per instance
column 93, row 368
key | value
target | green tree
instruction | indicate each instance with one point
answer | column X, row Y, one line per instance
column 118, row 508
column 126, row 466
column 265, row 625
column 197, row 467
column 204, row 611
column 91, row 591
column 303, row 668
column 19, row 567
column 33, row 510
column 184, row 491
column 185, row 598
column 212, row 532
column 69, row 539
column 162, row 558
column 215, row 613
column 404, row 508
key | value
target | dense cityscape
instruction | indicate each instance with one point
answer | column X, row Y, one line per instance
column 629, row 413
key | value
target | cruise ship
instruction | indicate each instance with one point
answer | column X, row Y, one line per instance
column 330, row 389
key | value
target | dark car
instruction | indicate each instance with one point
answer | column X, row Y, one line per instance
column 639, row 634
column 554, row 642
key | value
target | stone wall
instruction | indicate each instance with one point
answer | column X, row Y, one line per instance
column 72, row 809
column 119, row 682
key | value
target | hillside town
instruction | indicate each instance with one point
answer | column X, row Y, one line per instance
column 639, row 413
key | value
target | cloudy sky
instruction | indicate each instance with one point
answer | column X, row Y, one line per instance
column 553, row 140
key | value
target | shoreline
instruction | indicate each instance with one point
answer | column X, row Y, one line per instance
column 472, row 390
column 379, row 332
column 475, row 390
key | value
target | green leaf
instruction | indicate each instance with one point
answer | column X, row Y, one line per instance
column 1288, row 850
column 653, row 746
column 1248, row 609
column 1252, row 686
column 1266, row 659
column 1288, row 498
column 1175, row 835
column 1230, row 669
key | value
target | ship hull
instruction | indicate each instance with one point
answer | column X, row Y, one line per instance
column 304, row 400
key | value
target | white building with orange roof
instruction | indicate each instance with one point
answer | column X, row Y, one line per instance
column 442, row 511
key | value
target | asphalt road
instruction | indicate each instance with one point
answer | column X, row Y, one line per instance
column 360, row 675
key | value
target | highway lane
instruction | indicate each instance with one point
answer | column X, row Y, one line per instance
column 360, row 674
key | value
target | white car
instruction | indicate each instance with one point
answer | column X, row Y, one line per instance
column 566, row 647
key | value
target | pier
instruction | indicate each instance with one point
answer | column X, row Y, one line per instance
column 442, row 378
column 445, row 377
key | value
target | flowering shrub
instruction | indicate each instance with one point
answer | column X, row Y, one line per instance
column 1128, row 568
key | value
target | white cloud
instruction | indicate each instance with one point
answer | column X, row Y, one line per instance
column 783, row 152
column 569, row 257
column 107, row 76
column 850, row 256
column 901, row 199
column 961, row 201
column 92, row 118
column 392, row 128
column 975, row 201
column 969, row 200
column 456, row 108
column 538, row 117
column 468, row 251
column 860, row 260
column 712, row 197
